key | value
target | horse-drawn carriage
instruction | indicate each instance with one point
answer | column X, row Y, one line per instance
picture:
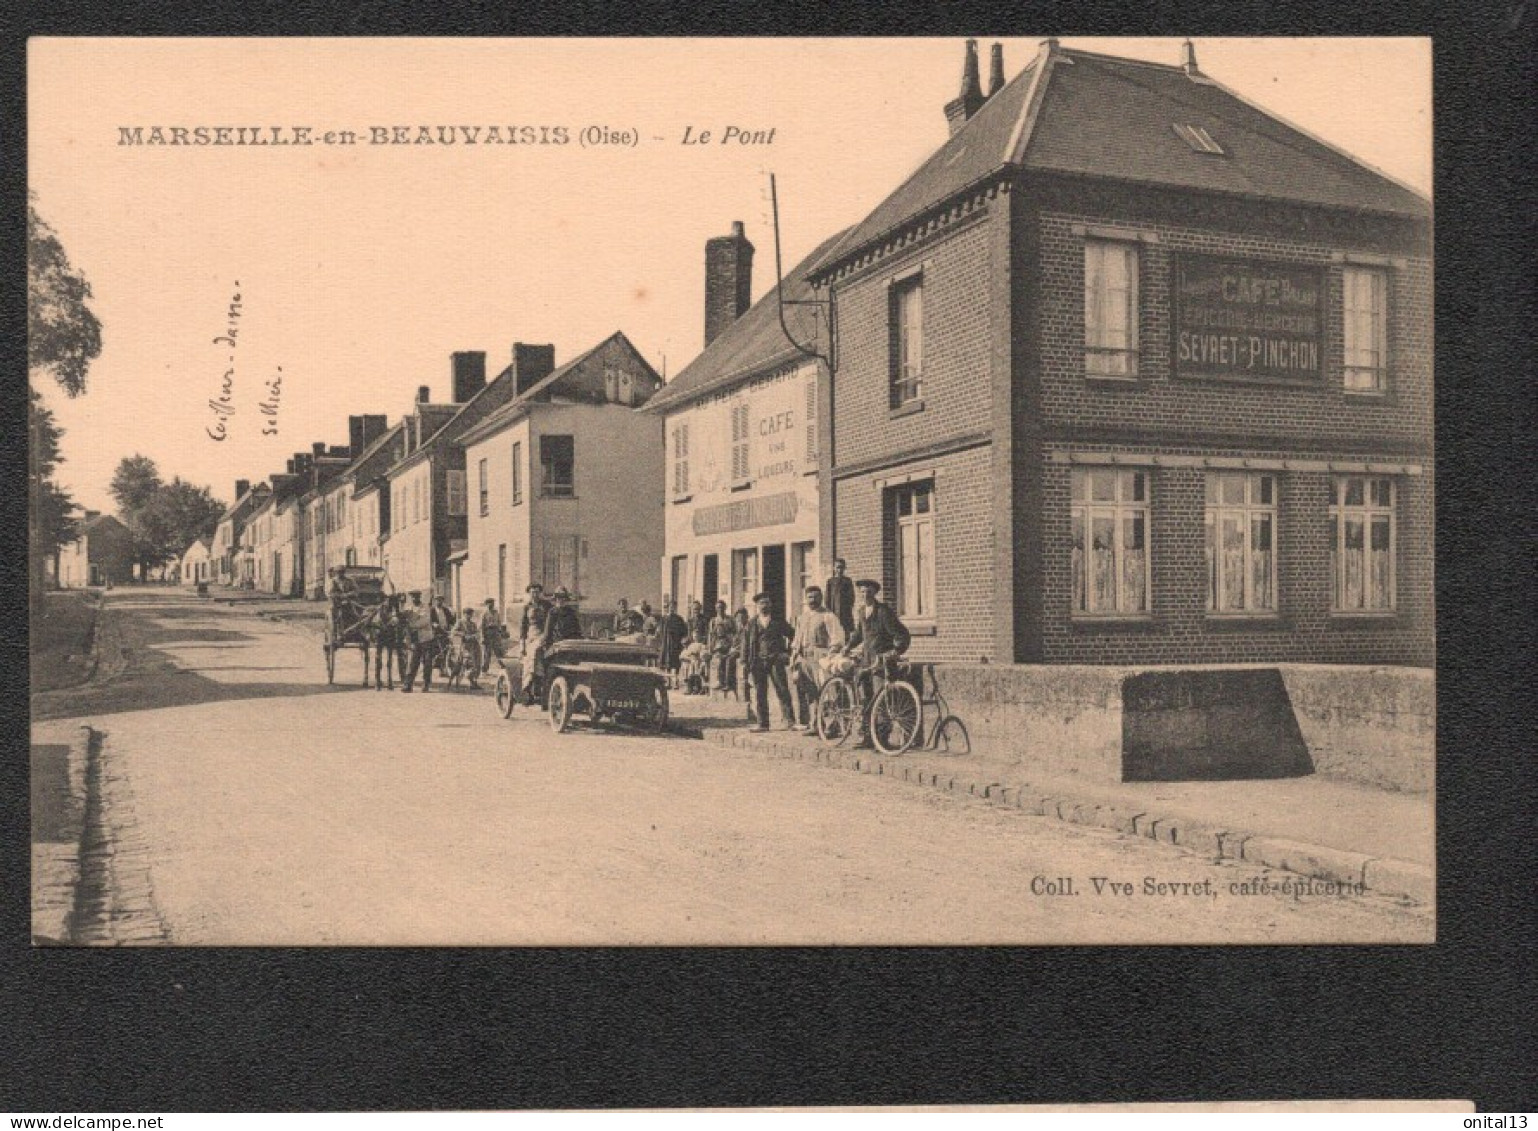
column 602, row 679
column 356, row 595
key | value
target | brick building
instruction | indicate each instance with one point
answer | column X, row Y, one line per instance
column 740, row 424
column 1131, row 371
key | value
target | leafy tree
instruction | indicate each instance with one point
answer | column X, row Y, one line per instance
column 179, row 515
column 135, row 484
column 56, row 520
column 63, row 335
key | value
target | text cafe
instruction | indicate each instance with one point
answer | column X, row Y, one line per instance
column 1237, row 318
column 742, row 493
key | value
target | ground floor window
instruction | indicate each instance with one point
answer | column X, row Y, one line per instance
column 1241, row 543
column 803, row 563
column 913, row 513
column 1362, row 542
column 745, row 577
column 1110, row 558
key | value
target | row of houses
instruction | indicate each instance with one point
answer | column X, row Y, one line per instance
column 1129, row 370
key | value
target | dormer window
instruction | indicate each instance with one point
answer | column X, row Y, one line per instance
column 1198, row 139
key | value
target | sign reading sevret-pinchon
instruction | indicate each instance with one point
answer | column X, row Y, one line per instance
column 1245, row 318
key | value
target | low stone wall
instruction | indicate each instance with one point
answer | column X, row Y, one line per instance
column 1372, row 725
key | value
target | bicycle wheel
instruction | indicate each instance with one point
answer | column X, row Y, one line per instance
column 838, row 712
column 895, row 718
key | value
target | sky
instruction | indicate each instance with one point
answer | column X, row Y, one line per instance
column 360, row 269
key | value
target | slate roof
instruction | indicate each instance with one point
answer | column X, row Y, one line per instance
column 754, row 343
column 1081, row 113
column 511, row 411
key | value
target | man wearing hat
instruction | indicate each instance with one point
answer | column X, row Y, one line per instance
column 418, row 636
column 818, row 632
column 839, row 592
column 672, row 636
column 562, row 623
column 493, row 633
column 878, row 634
column 766, row 652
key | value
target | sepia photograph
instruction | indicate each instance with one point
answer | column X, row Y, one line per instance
column 731, row 492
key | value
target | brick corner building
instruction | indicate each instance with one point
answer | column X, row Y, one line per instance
column 1132, row 371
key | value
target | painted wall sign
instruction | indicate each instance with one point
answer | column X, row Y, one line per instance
column 1245, row 318
column 745, row 514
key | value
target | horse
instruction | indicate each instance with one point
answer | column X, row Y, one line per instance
column 386, row 639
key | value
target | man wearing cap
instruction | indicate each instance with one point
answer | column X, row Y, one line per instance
column 840, row 595
column 818, row 632
column 766, row 652
column 878, row 635
column 562, row 623
column 672, row 636
column 493, row 633
column 441, row 618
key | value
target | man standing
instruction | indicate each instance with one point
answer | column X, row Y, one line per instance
column 672, row 635
column 719, row 640
column 840, row 594
column 418, row 636
column 441, row 618
column 878, row 635
column 493, row 633
column 766, row 651
column 818, row 632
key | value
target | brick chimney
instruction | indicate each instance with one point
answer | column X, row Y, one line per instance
column 373, row 428
column 241, row 487
column 469, row 370
column 996, row 69
column 531, row 365
column 728, row 280
column 424, row 394
column 964, row 105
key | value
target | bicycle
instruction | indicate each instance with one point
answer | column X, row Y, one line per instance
column 462, row 656
column 895, row 715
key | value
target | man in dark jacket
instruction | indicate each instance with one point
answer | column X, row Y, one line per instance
column 417, row 632
column 878, row 635
column 766, row 652
column 561, row 623
column 839, row 594
column 672, row 635
column 531, row 628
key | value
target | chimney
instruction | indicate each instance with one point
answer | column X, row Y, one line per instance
column 289, row 465
column 424, row 394
column 531, row 365
column 373, row 428
column 355, row 436
column 728, row 280
column 1188, row 58
column 996, row 69
column 241, row 487
column 964, row 105
column 317, row 449
column 469, row 368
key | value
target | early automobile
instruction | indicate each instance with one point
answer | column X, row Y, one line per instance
column 602, row 679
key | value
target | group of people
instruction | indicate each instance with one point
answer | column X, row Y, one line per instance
column 414, row 640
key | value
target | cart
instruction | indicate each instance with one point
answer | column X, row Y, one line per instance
column 357, row 593
column 601, row 679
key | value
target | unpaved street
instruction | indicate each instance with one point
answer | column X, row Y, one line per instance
column 255, row 805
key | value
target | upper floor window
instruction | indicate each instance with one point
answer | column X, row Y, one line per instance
column 1366, row 329
column 557, row 457
column 1241, row 543
column 456, row 493
column 906, row 318
column 1362, row 544
column 485, row 491
column 518, row 473
column 1110, row 559
column 680, row 460
column 1110, row 308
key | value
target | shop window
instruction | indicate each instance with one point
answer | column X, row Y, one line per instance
column 1362, row 544
column 1365, row 293
column 557, row 457
column 913, row 512
column 1110, row 308
column 740, row 468
column 680, row 460
column 455, row 484
column 906, row 318
column 518, row 474
column 1241, row 543
column 1110, row 558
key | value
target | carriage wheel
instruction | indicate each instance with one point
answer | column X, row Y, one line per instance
column 657, row 715
column 838, row 715
column 895, row 718
column 559, row 704
column 504, row 696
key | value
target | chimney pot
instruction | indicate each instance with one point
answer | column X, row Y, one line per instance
column 1188, row 57
column 728, row 280
column 996, row 69
column 960, row 109
column 242, row 486
column 424, row 394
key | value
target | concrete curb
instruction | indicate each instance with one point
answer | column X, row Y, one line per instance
column 56, row 871
column 1382, row 875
